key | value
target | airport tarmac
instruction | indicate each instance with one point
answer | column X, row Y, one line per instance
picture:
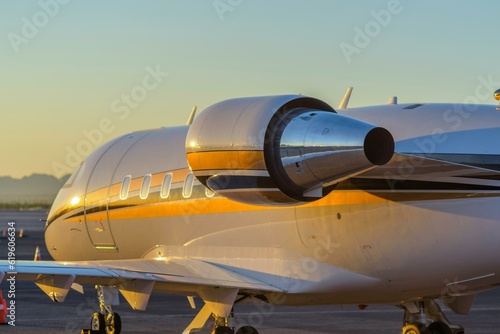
column 36, row 313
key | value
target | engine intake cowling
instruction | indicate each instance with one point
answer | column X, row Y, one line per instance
column 281, row 149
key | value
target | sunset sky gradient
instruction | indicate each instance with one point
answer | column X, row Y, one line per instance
column 74, row 74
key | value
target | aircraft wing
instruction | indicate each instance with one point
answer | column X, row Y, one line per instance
column 135, row 279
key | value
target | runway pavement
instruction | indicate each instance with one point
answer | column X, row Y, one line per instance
column 36, row 313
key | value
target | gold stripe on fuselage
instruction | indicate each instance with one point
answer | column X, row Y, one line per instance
column 219, row 205
column 176, row 205
column 112, row 192
column 222, row 160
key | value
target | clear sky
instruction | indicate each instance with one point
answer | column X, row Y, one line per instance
column 74, row 74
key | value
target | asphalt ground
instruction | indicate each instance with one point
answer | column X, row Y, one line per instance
column 166, row 313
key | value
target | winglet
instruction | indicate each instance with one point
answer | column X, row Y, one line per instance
column 345, row 100
column 191, row 117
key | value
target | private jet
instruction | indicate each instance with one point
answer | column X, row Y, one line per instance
column 284, row 200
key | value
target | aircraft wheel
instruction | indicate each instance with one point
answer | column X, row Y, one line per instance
column 439, row 328
column 97, row 323
column 224, row 330
column 411, row 329
column 247, row 330
column 113, row 323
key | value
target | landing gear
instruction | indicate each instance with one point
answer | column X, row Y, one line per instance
column 106, row 321
column 229, row 330
column 224, row 330
column 247, row 330
column 426, row 317
column 97, row 323
column 113, row 323
column 222, row 326
column 242, row 330
column 219, row 304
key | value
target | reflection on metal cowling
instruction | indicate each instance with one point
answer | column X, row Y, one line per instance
column 313, row 149
column 280, row 149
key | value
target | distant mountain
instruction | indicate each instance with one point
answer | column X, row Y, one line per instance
column 40, row 188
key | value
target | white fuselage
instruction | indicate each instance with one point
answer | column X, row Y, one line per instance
column 407, row 233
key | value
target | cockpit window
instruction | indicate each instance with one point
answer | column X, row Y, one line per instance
column 125, row 187
column 73, row 176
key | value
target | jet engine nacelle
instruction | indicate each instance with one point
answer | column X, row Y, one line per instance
column 281, row 149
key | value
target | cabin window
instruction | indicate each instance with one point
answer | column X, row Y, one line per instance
column 125, row 187
column 146, row 182
column 188, row 186
column 209, row 193
column 165, row 186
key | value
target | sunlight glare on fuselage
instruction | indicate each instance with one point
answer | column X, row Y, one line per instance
column 75, row 200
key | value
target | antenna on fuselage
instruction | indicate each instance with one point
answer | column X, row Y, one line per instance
column 345, row 100
column 191, row 117
column 496, row 95
column 393, row 100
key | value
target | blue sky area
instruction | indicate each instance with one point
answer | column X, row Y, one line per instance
column 71, row 68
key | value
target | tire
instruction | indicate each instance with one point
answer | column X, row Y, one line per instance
column 223, row 330
column 247, row 330
column 411, row 329
column 439, row 328
column 114, row 323
column 97, row 323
